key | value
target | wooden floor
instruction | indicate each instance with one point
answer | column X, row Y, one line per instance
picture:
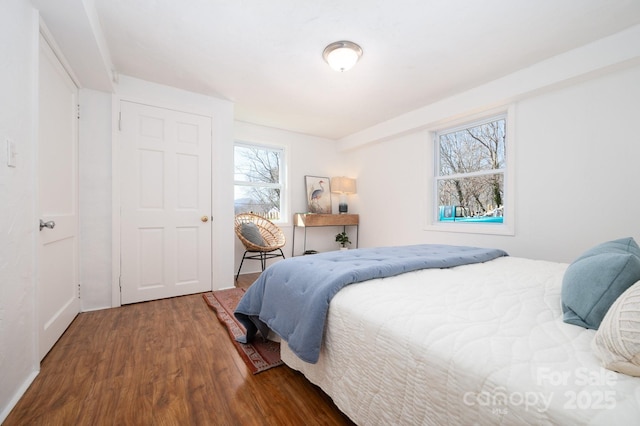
column 166, row 362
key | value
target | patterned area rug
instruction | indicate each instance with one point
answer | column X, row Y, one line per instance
column 258, row 356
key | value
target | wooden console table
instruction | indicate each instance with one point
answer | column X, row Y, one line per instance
column 305, row 220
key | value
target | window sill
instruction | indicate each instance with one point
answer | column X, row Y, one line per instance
column 473, row 228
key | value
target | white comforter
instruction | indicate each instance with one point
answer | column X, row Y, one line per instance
column 476, row 344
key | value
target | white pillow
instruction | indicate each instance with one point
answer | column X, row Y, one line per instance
column 617, row 341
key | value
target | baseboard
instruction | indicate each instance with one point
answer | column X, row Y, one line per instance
column 16, row 397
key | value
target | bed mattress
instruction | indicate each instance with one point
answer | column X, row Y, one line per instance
column 475, row 344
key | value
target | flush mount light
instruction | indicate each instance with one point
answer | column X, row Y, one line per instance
column 342, row 55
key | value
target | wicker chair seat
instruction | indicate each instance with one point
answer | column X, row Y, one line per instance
column 272, row 235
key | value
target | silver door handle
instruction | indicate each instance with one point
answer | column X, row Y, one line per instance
column 50, row 224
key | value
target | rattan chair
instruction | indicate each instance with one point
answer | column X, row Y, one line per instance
column 260, row 236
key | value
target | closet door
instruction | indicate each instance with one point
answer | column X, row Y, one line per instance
column 165, row 203
column 58, row 292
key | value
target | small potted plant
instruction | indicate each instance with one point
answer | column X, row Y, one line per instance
column 343, row 239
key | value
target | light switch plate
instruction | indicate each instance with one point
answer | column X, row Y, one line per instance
column 11, row 153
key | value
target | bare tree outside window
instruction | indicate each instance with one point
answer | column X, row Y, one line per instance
column 471, row 168
column 258, row 181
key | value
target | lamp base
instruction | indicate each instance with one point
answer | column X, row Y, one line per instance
column 343, row 208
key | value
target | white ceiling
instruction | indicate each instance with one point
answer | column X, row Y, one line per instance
column 266, row 56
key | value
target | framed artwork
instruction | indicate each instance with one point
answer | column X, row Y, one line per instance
column 318, row 194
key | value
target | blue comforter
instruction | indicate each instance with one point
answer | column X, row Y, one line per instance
column 292, row 297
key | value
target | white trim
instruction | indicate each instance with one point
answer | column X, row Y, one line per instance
column 117, row 101
column 285, row 214
column 430, row 213
column 285, row 207
column 220, row 113
column 48, row 37
column 19, row 393
column 115, row 202
column 35, row 144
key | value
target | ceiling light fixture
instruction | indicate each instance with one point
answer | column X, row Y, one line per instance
column 342, row 55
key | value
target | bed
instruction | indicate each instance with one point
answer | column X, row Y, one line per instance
column 483, row 343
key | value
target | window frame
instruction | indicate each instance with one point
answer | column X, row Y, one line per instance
column 284, row 206
column 507, row 227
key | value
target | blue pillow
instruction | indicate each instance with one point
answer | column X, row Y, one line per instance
column 596, row 279
column 250, row 231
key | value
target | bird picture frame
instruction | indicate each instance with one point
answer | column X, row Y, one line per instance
column 318, row 194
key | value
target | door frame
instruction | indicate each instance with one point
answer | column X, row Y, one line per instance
column 162, row 97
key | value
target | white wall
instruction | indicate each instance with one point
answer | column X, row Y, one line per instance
column 578, row 151
column 95, row 199
column 576, row 173
column 19, row 361
column 306, row 155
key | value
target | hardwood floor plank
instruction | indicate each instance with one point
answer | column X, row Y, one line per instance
column 166, row 362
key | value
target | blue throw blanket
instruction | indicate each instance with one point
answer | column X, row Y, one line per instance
column 292, row 297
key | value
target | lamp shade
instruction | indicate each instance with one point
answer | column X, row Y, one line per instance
column 343, row 185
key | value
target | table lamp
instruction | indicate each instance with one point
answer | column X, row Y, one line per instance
column 343, row 186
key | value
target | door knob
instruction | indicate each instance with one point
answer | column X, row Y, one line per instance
column 50, row 224
column 205, row 218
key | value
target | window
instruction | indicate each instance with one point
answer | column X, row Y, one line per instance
column 470, row 170
column 258, row 180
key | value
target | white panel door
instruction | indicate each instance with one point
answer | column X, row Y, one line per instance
column 58, row 295
column 165, row 203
